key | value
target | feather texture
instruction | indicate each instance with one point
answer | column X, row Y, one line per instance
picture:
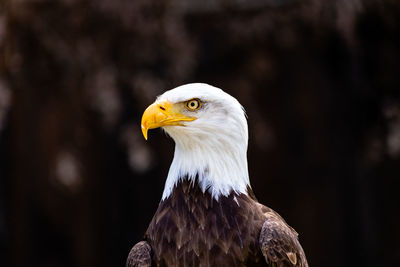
column 279, row 243
column 191, row 228
column 140, row 255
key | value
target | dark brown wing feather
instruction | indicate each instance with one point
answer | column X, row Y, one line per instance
column 279, row 243
column 140, row 255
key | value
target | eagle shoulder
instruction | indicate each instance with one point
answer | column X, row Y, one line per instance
column 279, row 243
column 140, row 255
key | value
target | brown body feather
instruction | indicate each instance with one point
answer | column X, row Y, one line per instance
column 191, row 228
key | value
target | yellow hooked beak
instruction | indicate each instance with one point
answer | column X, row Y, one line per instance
column 162, row 113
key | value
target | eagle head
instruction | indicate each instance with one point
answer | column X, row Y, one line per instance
column 209, row 128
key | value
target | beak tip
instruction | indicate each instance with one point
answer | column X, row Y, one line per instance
column 144, row 131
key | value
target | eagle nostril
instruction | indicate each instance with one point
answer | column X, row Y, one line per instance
column 162, row 108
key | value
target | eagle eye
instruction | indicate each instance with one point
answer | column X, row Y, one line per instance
column 193, row 104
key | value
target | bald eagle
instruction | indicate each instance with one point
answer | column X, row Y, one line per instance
column 208, row 214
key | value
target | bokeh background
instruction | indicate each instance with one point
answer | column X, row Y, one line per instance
column 319, row 80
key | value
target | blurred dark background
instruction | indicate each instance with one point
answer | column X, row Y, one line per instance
column 319, row 80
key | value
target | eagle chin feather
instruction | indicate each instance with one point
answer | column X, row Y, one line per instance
column 208, row 214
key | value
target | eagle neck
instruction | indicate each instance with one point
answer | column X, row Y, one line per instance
column 219, row 166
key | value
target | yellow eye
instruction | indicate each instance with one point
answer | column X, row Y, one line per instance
column 193, row 104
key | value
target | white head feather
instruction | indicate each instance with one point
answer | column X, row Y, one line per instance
column 213, row 147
